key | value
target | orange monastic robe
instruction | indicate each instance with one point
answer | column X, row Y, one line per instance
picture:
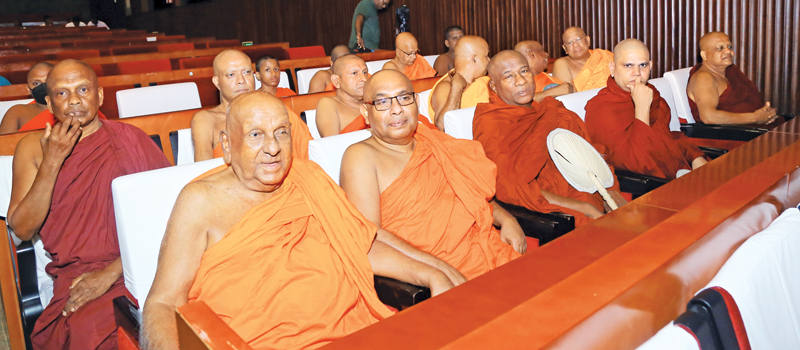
column 475, row 93
column 300, row 137
column 595, row 72
column 421, row 69
column 544, row 81
column 515, row 138
column 330, row 87
column 439, row 204
column 40, row 121
column 357, row 124
column 283, row 92
column 633, row 145
column 293, row 273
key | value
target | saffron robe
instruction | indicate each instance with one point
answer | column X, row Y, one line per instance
column 595, row 72
column 80, row 233
column 633, row 145
column 421, row 69
column 475, row 93
column 40, row 121
column 283, row 92
column 515, row 138
column 359, row 123
column 440, row 204
column 300, row 137
column 293, row 272
column 544, row 81
column 741, row 96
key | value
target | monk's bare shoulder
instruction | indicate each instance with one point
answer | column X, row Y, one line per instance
column 204, row 117
column 391, row 65
column 30, row 147
column 700, row 82
column 360, row 153
column 201, row 196
column 327, row 106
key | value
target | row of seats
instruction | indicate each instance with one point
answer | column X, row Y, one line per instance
column 304, row 76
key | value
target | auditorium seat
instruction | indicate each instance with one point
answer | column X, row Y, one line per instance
column 375, row 66
column 671, row 337
column 431, row 59
column 5, row 105
column 304, row 79
column 678, row 80
column 157, row 99
column 576, row 102
column 130, row 50
column 424, row 97
column 256, row 53
column 148, row 66
column 664, row 88
column 43, row 45
column 196, row 62
column 76, row 55
column 458, row 123
column 328, row 151
column 310, row 117
column 142, row 206
column 185, row 147
column 223, row 43
column 296, row 53
column 175, row 47
column 98, row 70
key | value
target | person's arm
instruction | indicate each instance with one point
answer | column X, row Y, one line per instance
column 32, row 186
column 642, row 97
column 574, row 204
column 10, row 121
column 202, row 140
column 561, row 89
column 92, row 285
column 703, row 90
column 319, row 82
column 359, row 25
column 391, row 65
column 561, row 71
column 327, row 118
column 178, row 261
column 441, row 65
column 447, row 97
column 359, row 180
column 389, row 262
column 510, row 231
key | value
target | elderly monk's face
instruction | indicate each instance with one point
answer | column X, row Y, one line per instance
column 576, row 43
column 392, row 92
column 452, row 38
column 234, row 76
column 73, row 92
column 407, row 52
column 719, row 50
column 353, row 77
column 631, row 65
column 37, row 77
column 512, row 80
column 536, row 56
column 260, row 141
column 270, row 73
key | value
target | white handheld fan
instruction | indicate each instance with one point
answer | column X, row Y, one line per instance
column 580, row 163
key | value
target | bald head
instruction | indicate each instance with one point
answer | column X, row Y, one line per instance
column 716, row 49
column 631, row 64
column 394, row 114
column 68, row 83
column 534, row 53
column 224, row 59
column 469, row 45
column 406, row 48
column 377, row 85
column 471, row 56
column 628, row 45
column 511, row 78
column 576, row 43
column 572, row 32
column 38, row 74
column 404, row 39
column 339, row 51
column 233, row 74
column 70, row 70
column 346, row 61
column 252, row 105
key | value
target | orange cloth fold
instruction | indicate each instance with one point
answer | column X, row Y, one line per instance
column 515, row 138
column 330, row 87
column 427, row 122
column 283, row 92
column 357, row 124
column 439, row 204
column 300, row 138
column 544, row 81
column 633, row 145
column 420, row 69
column 741, row 95
column 293, row 272
column 40, row 121
column 595, row 72
column 475, row 93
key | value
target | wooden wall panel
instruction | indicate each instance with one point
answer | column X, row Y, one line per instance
column 763, row 32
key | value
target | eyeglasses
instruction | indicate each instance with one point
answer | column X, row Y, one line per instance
column 410, row 53
column 574, row 41
column 383, row 104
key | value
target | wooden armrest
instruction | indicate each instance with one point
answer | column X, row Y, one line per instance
column 712, row 152
column 399, row 295
column 638, row 184
column 721, row 132
column 543, row 226
column 128, row 318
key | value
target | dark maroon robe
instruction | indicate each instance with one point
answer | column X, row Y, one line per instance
column 80, row 233
column 741, row 96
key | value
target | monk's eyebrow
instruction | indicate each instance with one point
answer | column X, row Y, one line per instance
column 381, row 94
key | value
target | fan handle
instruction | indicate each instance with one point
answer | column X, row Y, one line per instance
column 602, row 190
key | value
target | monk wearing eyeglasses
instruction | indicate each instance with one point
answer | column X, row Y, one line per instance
column 585, row 69
column 407, row 59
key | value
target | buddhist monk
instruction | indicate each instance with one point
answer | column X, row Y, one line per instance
column 429, row 194
column 631, row 119
column 466, row 85
column 537, row 63
column 321, row 81
column 446, row 61
column 272, row 245
column 718, row 91
column 585, row 69
column 19, row 115
column 408, row 60
column 62, row 191
column 513, row 130
column 268, row 72
column 340, row 114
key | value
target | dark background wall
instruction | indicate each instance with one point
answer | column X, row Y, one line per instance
column 764, row 32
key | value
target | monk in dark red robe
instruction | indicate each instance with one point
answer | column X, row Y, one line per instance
column 62, row 190
column 513, row 130
column 631, row 119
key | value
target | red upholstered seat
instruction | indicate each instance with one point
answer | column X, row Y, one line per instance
column 305, row 52
column 256, row 53
column 109, row 107
column 76, row 55
column 131, row 40
column 130, row 50
column 149, row 66
column 43, row 45
column 175, row 47
column 223, row 43
column 98, row 70
column 196, row 62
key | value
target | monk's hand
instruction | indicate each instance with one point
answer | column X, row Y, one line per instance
column 698, row 162
column 59, row 140
column 590, row 211
column 566, row 88
column 454, row 275
column 766, row 114
column 87, row 287
column 458, row 82
column 511, row 233
column 641, row 94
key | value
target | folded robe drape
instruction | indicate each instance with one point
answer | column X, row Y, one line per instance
column 515, row 138
column 283, row 92
column 477, row 92
column 293, row 273
column 544, row 81
column 595, row 72
column 741, row 96
column 420, row 69
column 633, row 145
column 80, row 233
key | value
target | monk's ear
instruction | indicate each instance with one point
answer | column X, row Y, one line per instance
column 215, row 80
column 226, row 146
column 335, row 81
column 100, row 96
column 611, row 67
column 49, row 105
column 492, row 86
column 703, row 54
column 364, row 111
column 257, row 75
column 446, row 43
column 588, row 41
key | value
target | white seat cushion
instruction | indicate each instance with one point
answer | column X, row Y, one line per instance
column 157, row 99
column 576, row 102
column 671, row 337
column 185, row 147
column 311, row 121
column 424, row 97
column 6, row 105
column 328, row 151
column 679, row 79
column 6, row 175
column 431, row 59
column 304, row 78
column 375, row 66
column 665, row 89
column 142, row 204
column 284, row 83
column 458, row 123
column 762, row 276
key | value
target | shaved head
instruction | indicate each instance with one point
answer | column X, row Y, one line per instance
column 233, row 74
column 39, row 70
column 71, row 82
column 707, row 41
column 631, row 64
column 629, row 45
column 226, row 56
column 471, row 56
column 407, row 47
column 404, row 39
column 244, row 106
column 345, row 61
column 68, row 69
column 511, row 78
column 339, row 51
column 379, row 81
column 469, row 44
column 534, row 53
column 392, row 92
column 716, row 49
column 572, row 31
column 576, row 43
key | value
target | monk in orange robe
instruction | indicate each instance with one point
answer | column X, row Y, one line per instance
column 321, row 81
column 408, row 60
column 718, row 91
column 340, row 114
column 19, row 115
column 272, row 245
column 537, row 63
column 430, row 194
column 62, row 191
column 586, row 69
column 631, row 119
column 268, row 72
column 466, row 85
column 513, row 130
